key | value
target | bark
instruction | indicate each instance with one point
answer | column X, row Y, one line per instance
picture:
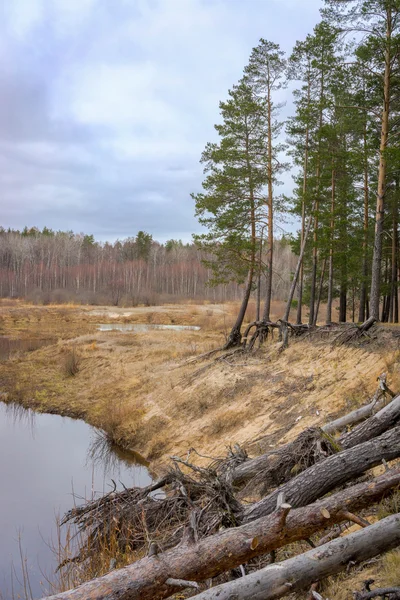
column 235, row 337
column 296, row 573
column 330, row 274
column 361, row 413
column 363, row 294
column 270, row 204
column 321, row 283
column 387, row 417
column 298, row 267
column 380, row 200
column 324, row 476
column 393, row 282
column 146, row 579
column 303, row 208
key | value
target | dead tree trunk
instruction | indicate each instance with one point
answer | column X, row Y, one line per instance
column 147, row 579
column 372, row 427
column 386, row 418
column 363, row 412
column 280, row 579
column 324, row 476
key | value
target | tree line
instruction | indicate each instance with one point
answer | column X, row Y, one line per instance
column 343, row 143
column 48, row 266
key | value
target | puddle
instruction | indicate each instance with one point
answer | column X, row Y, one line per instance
column 143, row 327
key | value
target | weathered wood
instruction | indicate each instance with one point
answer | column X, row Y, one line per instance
column 324, row 476
column 277, row 465
column 391, row 593
column 358, row 415
column 367, row 324
column 294, row 574
column 146, row 579
column 383, row 420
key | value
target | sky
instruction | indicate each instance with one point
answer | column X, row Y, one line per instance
column 106, row 105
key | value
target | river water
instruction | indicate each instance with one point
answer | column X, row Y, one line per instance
column 44, row 460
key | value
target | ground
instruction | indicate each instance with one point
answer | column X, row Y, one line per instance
column 151, row 393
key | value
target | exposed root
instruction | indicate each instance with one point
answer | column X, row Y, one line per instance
column 196, row 502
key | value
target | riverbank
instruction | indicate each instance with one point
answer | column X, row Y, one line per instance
column 150, row 395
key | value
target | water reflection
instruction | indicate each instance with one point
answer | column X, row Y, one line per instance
column 143, row 327
column 47, row 462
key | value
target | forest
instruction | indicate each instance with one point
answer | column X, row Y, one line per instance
column 341, row 146
column 342, row 143
column 59, row 267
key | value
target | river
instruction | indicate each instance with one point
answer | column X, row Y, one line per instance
column 44, row 460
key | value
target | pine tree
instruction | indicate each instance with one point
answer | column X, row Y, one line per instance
column 378, row 22
column 236, row 173
column 265, row 74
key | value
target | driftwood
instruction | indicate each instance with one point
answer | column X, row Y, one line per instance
column 147, row 578
column 294, row 574
column 335, row 470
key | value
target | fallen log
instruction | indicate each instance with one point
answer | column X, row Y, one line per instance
column 392, row 593
column 294, row 574
column 383, row 420
column 358, row 415
column 275, row 467
column 147, row 578
column 324, row 476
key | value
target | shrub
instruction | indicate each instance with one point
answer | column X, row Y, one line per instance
column 71, row 363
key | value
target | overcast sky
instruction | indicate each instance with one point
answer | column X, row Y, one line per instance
column 106, row 105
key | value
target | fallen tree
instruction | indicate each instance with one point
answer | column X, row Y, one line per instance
column 279, row 579
column 153, row 577
column 311, row 446
column 383, row 420
column 324, row 476
column 359, row 414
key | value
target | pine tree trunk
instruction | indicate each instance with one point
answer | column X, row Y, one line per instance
column 235, row 336
column 303, row 219
column 380, row 200
column 363, row 295
column 330, row 275
column 321, row 284
column 268, row 293
column 393, row 287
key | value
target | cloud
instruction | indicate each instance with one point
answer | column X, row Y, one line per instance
column 105, row 107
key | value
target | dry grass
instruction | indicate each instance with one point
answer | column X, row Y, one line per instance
column 141, row 390
column 71, row 363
